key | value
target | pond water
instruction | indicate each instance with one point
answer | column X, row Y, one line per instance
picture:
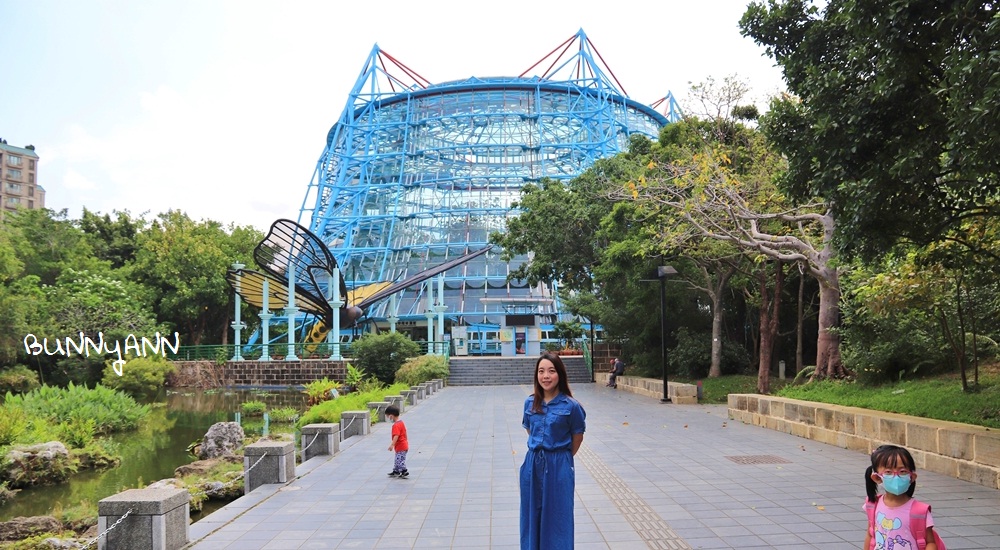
column 155, row 450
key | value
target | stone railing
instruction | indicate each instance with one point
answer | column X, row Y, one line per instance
column 681, row 394
column 963, row 451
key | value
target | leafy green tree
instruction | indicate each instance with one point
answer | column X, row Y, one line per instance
column 141, row 376
column 184, row 262
column 113, row 240
column 46, row 243
column 381, row 355
column 893, row 121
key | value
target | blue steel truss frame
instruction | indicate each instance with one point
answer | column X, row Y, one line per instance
column 415, row 173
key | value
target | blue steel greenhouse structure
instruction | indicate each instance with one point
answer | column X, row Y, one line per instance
column 414, row 173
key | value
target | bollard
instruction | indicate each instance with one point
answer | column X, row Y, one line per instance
column 379, row 408
column 398, row 401
column 320, row 440
column 157, row 520
column 266, row 462
column 410, row 396
column 355, row 423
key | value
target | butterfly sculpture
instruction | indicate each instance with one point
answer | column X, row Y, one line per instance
column 292, row 252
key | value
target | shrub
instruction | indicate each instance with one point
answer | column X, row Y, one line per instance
column 111, row 410
column 18, row 379
column 283, row 415
column 371, row 385
column 253, row 408
column 886, row 348
column 329, row 411
column 140, row 376
column 319, row 390
column 13, row 424
column 693, row 356
column 381, row 355
column 421, row 369
column 77, row 432
column 354, row 376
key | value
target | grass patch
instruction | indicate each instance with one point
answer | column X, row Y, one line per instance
column 717, row 390
column 939, row 397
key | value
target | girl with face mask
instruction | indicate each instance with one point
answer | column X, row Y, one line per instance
column 893, row 514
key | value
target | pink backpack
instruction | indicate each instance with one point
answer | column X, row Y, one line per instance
column 918, row 524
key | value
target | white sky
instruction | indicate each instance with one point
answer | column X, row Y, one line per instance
column 206, row 106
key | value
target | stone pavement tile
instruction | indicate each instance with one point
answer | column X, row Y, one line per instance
column 650, row 475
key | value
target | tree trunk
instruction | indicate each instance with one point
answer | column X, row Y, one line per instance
column 717, row 293
column 769, row 311
column 828, row 362
column 799, row 323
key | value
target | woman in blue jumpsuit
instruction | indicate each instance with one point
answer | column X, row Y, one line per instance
column 555, row 423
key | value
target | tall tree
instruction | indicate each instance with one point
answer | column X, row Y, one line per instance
column 726, row 194
column 894, row 119
column 47, row 242
column 185, row 262
column 113, row 240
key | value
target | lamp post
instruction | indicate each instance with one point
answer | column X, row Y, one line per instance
column 662, row 272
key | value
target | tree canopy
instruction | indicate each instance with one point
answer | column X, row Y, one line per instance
column 893, row 117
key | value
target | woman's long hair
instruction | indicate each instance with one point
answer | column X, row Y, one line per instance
column 563, row 381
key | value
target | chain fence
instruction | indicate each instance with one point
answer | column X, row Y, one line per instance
column 215, row 489
column 108, row 530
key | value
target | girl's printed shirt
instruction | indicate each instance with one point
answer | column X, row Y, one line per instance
column 892, row 527
column 553, row 428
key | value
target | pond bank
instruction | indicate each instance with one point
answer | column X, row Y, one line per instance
column 154, row 451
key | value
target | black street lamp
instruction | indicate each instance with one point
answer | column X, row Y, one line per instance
column 662, row 272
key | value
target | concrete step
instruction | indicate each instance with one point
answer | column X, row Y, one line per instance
column 504, row 371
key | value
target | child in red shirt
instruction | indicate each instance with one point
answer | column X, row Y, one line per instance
column 399, row 442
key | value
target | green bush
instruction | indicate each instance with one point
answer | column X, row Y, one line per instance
column 381, row 355
column 283, row 415
column 319, row 390
column 329, row 411
column 18, row 379
column 891, row 347
column 111, row 410
column 140, row 376
column 693, row 356
column 77, row 432
column 253, row 408
column 13, row 424
column 354, row 376
column 421, row 369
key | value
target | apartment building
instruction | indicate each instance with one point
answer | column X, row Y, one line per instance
column 19, row 186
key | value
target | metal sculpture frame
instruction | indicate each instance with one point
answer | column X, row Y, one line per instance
column 415, row 173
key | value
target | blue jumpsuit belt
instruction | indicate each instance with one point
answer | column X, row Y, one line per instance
column 538, row 456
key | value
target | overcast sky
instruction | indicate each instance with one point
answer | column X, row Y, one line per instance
column 208, row 106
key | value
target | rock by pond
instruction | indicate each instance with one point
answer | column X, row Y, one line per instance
column 41, row 464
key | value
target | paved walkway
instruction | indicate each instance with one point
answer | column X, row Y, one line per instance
column 649, row 475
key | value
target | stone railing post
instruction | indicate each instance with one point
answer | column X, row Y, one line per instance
column 379, row 408
column 320, row 440
column 428, row 388
column 398, row 401
column 157, row 520
column 266, row 462
column 438, row 384
column 411, row 396
column 355, row 423
column 421, row 392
